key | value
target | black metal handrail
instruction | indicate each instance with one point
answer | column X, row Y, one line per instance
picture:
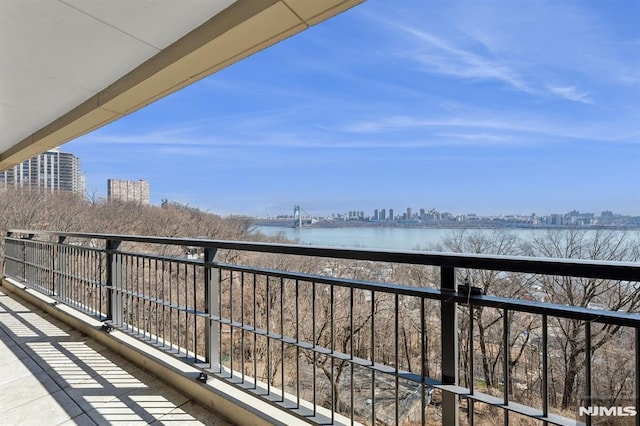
column 626, row 271
column 130, row 288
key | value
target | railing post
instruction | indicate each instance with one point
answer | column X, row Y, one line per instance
column 114, row 281
column 9, row 235
column 61, row 261
column 212, row 308
column 449, row 346
column 27, row 257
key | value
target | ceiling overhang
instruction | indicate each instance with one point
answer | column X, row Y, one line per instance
column 239, row 30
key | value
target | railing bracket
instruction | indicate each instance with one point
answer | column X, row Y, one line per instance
column 465, row 290
column 107, row 328
column 202, row 377
column 468, row 290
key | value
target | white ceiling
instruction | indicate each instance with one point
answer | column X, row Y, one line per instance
column 70, row 66
column 55, row 54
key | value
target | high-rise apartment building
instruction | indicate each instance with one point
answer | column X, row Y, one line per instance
column 52, row 170
column 128, row 190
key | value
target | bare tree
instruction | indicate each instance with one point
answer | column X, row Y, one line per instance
column 586, row 292
column 489, row 321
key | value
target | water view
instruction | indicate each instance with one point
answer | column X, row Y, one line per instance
column 382, row 238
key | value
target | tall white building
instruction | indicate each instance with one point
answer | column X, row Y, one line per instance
column 52, row 170
column 128, row 190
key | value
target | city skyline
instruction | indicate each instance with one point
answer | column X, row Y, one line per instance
column 432, row 214
column 469, row 107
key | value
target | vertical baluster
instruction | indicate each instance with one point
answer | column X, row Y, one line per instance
column 194, row 303
column 333, row 348
column 114, row 282
column 637, row 387
column 423, row 363
column 255, row 335
column 587, row 367
column 373, row 357
column 471, row 383
column 449, row 345
column 313, row 333
column 61, row 269
column 505, row 362
column 242, row 322
column 297, row 283
column 212, row 308
column 268, row 315
column 231, row 322
column 156, row 298
column 282, row 336
column 545, row 367
column 351, row 343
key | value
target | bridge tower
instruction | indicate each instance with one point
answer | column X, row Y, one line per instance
column 297, row 217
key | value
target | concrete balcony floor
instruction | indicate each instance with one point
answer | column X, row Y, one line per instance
column 51, row 374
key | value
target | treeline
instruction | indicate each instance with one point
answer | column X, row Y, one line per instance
column 67, row 212
column 71, row 213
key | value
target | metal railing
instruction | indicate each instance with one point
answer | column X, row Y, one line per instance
column 327, row 348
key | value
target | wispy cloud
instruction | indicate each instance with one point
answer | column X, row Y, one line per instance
column 476, row 45
column 403, row 123
column 468, row 128
column 498, row 126
column 571, row 93
column 459, row 55
column 443, row 57
column 485, row 137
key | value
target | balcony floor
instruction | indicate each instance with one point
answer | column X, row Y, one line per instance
column 52, row 374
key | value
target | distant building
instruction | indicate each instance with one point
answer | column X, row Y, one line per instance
column 128, row 190
column 52, row 170
column 557, row 219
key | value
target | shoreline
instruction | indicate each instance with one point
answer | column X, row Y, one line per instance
column 441, row 225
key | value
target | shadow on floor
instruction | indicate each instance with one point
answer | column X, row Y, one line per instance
column 52, row 374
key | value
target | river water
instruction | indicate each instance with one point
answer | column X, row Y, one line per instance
column 375, row 237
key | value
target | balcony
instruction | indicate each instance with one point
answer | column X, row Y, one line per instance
column 52, row 374
column 270, row 333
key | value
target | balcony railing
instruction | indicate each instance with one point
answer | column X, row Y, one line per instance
column 324, row 346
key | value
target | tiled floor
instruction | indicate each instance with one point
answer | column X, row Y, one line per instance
column 51, row 374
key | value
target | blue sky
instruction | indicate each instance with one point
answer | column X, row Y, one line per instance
column 488, row 107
